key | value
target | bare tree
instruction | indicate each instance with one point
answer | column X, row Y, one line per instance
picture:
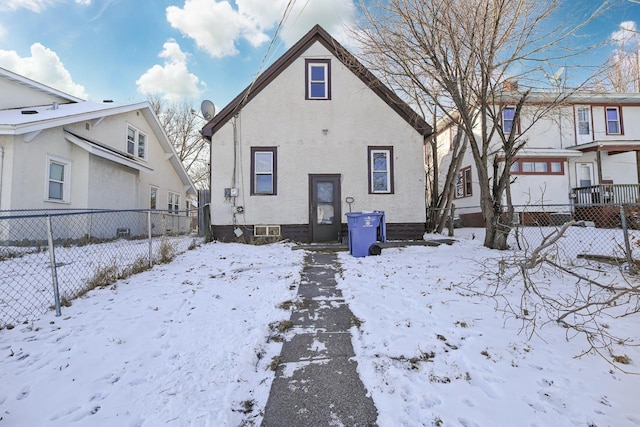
column 470, row 49
column 182, row 127
column 622, row 73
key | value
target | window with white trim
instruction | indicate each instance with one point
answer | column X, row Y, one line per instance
column 584, row 121
column 614, row 122
column 318, row 79
column 380, row 170
column 153, row 197
column 57, row 183
column 174, row 202
column 264, row 170
column 266, row 230
column 136, row 142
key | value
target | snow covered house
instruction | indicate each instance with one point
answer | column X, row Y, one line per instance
column 315, row 136
column 60, row 152
column 583, row 152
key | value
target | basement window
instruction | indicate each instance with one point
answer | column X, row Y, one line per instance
column 266, row 230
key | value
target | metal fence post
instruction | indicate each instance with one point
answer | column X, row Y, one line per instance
column 150, row 241
column 54, row 271
column 627, row 246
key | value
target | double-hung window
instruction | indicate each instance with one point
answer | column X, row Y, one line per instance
column 508, row 120
column 318, row 79
column 584, row 121
column 463, row 183
column 264, row 170
column 174, row 202
column 614, row 121
column 380, row 170
column 136, row 142
column 153, row 197
column 57, row 183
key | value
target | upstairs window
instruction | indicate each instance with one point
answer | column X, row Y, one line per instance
column 380, row 170
column 318, row 79
column 508, row 122
column 463, row 183
column 584, row 121
column 136, row 142
column 263, row 170
column 614, row 121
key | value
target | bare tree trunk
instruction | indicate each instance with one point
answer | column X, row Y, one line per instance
column 465, row 50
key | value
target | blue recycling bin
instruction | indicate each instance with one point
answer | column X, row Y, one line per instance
column 365, row 228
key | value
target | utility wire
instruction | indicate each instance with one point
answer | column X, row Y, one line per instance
column 285, row 15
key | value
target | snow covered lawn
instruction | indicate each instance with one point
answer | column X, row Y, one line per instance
column 431, row 353
column 184, row 344
column 188, row 344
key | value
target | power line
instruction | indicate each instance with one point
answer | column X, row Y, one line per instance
column 285, row 15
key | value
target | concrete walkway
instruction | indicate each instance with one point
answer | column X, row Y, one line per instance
column 316, row 382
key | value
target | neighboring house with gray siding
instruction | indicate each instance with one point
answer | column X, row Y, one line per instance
column 60, row 152
column 314, row 130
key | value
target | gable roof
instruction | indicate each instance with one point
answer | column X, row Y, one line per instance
column 15, row 122
column 318, row 34
column 37, row 86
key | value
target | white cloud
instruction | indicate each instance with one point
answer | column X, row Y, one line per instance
column 213, row 25
column 332, row 15
column 33, row 5
column 173, row 80
column 3, row 32
column 216, row 26
column 627, row 32
column 84, row 2
column 43, row 66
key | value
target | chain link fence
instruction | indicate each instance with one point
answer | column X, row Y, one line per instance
column 599, row 232
column 48, row 258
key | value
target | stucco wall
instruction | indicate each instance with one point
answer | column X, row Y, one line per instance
column 29, row 167
column 95, row 182
column 112, row 131
column 354, row 118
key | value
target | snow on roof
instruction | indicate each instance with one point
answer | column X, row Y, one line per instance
column 23, row 120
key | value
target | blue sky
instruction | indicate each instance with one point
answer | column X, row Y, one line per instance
column 194, row 49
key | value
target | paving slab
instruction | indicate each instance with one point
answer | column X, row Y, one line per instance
column 317, row 382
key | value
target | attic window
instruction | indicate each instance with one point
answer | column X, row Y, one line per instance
column 318, row 79
column 136, row 142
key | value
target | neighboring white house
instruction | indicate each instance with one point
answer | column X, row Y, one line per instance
column 582, row 152
column 314, row 132
column 60, row 152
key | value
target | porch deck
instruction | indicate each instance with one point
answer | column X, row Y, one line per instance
column 606, row 194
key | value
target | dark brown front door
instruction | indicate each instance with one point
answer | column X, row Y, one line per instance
column 325, row 216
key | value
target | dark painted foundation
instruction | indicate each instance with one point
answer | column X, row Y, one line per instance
column 301, row 233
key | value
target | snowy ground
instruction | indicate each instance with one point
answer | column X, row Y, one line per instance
column 187, row 344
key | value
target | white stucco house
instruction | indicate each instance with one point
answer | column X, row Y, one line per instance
column 583, row 152
column 60, row 152
column 315, row 136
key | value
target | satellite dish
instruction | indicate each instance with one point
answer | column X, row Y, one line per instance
column 556, row 79
column 208, row 109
